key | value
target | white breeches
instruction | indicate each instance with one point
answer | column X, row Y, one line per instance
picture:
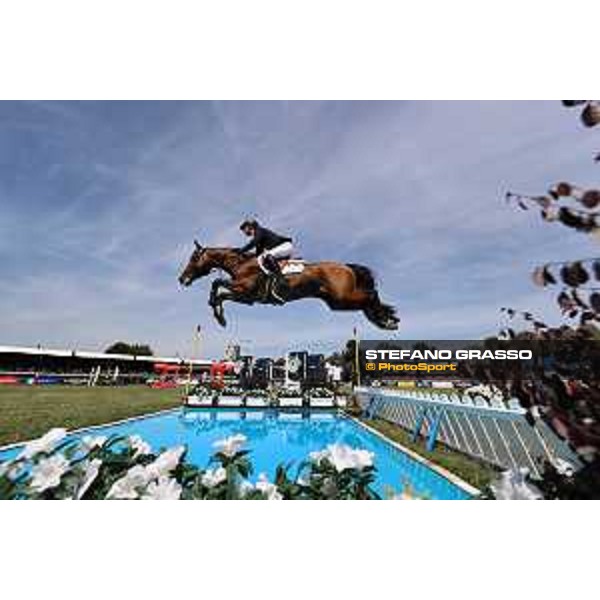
column 282, row 251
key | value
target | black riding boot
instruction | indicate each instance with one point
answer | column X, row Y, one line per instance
column 279, row 288
column 277, row 282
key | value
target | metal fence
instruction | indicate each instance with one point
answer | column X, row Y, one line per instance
column 490, row 430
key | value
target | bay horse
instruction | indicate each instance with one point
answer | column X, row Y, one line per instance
column 340, row 286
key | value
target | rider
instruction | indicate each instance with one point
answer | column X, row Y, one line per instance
column 269, row 247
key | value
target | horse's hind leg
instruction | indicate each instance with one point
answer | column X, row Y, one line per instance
column 377, row 313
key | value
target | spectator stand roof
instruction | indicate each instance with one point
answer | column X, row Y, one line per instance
column 40, row 351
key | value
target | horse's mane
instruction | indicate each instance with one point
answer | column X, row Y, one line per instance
column 241, row 256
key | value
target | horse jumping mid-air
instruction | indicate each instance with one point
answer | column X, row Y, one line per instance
column 340, row 286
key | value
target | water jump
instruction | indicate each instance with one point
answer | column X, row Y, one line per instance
column 263, row 271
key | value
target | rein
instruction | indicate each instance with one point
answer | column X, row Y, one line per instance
column 229, row 261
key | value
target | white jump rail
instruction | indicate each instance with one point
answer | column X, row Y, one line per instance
column 491, row 430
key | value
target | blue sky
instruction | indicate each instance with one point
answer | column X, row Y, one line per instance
column 100, row 202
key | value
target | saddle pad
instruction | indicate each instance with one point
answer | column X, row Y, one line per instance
column 290, row 267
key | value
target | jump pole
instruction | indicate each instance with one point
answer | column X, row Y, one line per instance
column 195, row 350
column 356, row 361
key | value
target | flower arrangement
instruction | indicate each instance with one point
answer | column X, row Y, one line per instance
column 320, row 397
column 232, row 390
column 258, row 393
column 126, row 468
column 231, row 395
column 284, row 392
column 200, row 395
column 202, row 391
column 288, row 398
column 258, row 397
column 319, row 392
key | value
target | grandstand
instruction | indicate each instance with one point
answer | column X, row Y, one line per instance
column 22, row 363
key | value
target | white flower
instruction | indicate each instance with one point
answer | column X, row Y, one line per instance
column 269, row 489
column 90, row 442
column 512, row 485
column 91, row 472
column 127, row 487
column 231, row 445
column 245, row 487
column 138, row 477
column 318, row 455
column 48, row 471
column 213, row 477
column 344, row 457
column 165, row 462
column 139, row 445
column 163, row 489
column 44, row 444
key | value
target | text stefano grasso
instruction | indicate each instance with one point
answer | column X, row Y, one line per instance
column 415, row 354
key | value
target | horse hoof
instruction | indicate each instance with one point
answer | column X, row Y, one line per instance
column 392, row 324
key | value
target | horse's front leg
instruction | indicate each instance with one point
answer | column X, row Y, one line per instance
column 218, row 294
column 227, row 290
column 215, row 291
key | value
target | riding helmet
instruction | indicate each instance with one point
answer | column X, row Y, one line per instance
column 249, row 223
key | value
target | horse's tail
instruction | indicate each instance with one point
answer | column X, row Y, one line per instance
column 382, row 315
column 364, row 277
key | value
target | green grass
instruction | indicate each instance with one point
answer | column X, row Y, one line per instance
column 477, row 473
column 28, row 411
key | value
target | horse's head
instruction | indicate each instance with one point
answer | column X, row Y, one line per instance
column 199, row 265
